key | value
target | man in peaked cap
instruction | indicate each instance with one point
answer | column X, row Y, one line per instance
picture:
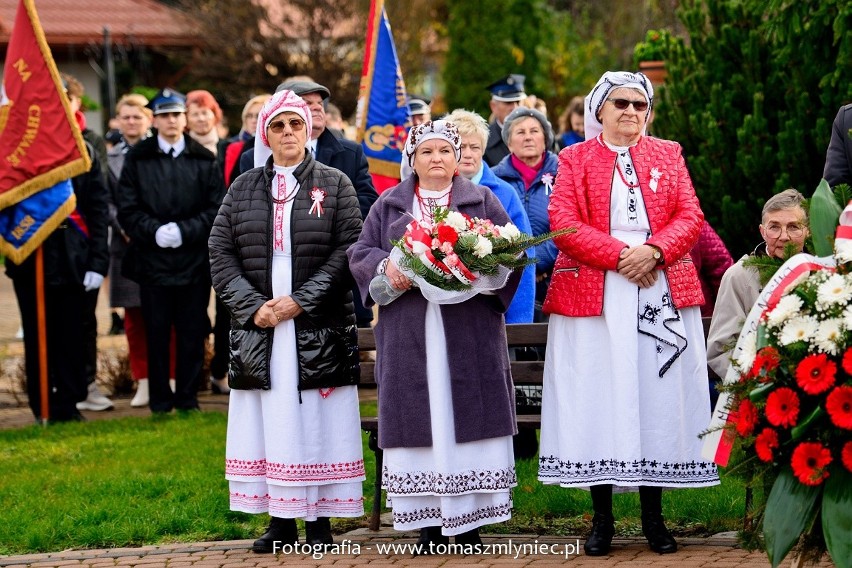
column 506, row 94
column 168, row 194
column 420, row 110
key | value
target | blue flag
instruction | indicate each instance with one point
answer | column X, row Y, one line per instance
column 383, row 114
column 25, row 225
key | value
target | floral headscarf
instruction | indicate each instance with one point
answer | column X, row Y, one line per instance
column 430, row 130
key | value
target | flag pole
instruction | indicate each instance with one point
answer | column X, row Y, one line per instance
column 42, row 336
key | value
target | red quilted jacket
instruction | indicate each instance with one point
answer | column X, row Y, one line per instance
column 581, row 201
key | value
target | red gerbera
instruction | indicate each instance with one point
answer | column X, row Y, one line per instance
column 447, row 234
column 782, row 407
column 765, row 442
column 847, row 361
column 767, row 360
column 838, row 403
column 846, row 456
column 746, row 418
column 815, row 373
column 810, row 463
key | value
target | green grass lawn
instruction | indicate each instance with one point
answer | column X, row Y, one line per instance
column 135, row 481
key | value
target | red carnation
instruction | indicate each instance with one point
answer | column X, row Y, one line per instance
column 815, row 373
column 846, row 456
column 746, row 418
column 447, row 234
column 810, row 463
column 765, row 442
column 782, row 407
column 847, row 361
column 839, row 406
column 767, row 360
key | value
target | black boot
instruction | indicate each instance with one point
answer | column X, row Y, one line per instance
column 318, row 531
column 431, row 536
column 280, row 531
column 599, row 541
column 470, row 537
column 659, row 538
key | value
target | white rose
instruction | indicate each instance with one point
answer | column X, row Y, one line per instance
column 483, row 247
column 508, row 231
column 456, row 220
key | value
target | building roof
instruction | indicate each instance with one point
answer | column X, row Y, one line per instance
column 79, row 22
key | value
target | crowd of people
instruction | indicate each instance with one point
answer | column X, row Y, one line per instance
column 284, row 222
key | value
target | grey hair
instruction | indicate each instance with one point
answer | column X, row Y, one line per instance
column 470, row 124
column 787, row 199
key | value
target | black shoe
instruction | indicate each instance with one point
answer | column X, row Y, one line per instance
column 318, row 532
column 600, row 539
column 659, row 538
column 430, row 536
column 117, row 325
column 280, row 531
column 470, row 537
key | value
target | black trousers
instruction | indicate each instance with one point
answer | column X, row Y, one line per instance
column 221, row 341
column 90, row 334
column 185, row 308
column 64, row 313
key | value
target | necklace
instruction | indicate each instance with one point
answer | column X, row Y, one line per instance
column 287, row 196
column 428, row 205
column 625, row 170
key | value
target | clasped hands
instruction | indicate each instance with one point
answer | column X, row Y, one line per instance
column 168, row 236
column 638, row 265
column 276, row 310
column 397, row 279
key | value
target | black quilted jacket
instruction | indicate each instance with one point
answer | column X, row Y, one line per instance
column 241, row 258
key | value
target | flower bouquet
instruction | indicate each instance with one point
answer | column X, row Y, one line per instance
column 791, row 409
column 457, row 256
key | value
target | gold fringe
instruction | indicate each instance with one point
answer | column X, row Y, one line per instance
column 19, row 255
column 43, row 181
column 383, row 167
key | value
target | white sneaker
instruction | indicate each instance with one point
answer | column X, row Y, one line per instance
column 95, row 400
column 141, row 398
column 172, row 384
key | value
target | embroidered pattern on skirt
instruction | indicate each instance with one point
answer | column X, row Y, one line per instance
column 432, row 513
column 437, row 483
column 295, row 472
column 298, row 507
column 636, row 471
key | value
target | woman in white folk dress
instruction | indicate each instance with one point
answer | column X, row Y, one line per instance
column 446, row 403
column 278, row 261
column 625, row 382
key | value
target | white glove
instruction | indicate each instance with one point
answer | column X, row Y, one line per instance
column 92, row 281
column 168, row 236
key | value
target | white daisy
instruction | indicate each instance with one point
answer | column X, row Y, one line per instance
column 835, row 290
column 787, row 307
column 799, row 328
column 828, row 336
column 745, row 352
column 847, row 317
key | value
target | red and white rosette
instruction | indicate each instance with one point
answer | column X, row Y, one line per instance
column 318, row 197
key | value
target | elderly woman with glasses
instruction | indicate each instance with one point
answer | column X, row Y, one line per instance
column 278, row 260
column 446, row 402
column 784, row 225
column 625, row 381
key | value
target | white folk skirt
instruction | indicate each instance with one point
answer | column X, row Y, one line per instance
column 288, row 457
column 607, row 416
column 458, row 487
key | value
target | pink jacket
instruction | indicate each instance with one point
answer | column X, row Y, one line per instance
column 581, row 201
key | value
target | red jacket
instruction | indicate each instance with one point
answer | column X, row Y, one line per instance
column 581, row 201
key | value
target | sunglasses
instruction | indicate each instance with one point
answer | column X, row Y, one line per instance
column 277, row 126
column 622, row 104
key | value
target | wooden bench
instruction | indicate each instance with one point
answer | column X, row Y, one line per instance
column 524, row 373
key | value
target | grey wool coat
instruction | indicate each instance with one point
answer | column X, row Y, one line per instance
column 475, row 333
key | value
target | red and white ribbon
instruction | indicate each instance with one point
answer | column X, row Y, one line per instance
column 318, row 197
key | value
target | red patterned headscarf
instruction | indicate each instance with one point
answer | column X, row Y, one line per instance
column 282, row 101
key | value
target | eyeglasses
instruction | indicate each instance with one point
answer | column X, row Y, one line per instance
column 277, row 126
column 794, row 230
column 622, row 104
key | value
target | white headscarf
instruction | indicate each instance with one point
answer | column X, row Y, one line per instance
column 282, row 101
column 609, row 81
